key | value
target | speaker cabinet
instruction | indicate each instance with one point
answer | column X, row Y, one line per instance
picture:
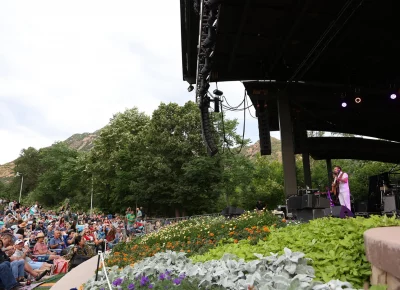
column 294, row 202
column 308, row 201
column 389, row 203
column 322, row 202
column 264, row 133
column 308, row 214
column 361, row 206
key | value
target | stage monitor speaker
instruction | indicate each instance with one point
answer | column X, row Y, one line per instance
column 338, row 211
column 308, row 201
column 264, row 133
column 309, row 214
column 389, row 203
column 335, row 211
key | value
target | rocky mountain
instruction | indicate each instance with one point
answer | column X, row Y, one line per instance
column 251, row 151
column 7, row 171
column 80, row 142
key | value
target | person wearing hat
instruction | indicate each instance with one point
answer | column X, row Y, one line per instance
column 21, row 253
column 41, row 249
column 37, row 274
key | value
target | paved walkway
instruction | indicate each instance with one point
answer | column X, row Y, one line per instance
column 77, row 276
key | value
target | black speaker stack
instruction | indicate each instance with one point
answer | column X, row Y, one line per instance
column 307, row 206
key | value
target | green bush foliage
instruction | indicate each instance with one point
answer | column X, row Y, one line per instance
column 336, row 246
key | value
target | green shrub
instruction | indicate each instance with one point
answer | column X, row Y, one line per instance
column 336, row 246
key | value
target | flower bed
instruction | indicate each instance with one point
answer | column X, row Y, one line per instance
column 174, row 270
column 196, row 236
column 336, row 246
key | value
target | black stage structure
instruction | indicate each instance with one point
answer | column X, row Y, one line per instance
column 301, row 62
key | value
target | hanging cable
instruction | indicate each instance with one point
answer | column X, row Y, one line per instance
column 226, row 141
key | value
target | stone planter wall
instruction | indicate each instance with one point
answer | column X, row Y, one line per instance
column 382, row 248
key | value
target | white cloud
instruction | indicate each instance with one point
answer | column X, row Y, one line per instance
column 68, row 66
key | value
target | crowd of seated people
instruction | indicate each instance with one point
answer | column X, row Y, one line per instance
column 31, row 238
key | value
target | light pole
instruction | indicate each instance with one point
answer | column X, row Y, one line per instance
column 22, row 182
column 91, row 199
column 91, row 193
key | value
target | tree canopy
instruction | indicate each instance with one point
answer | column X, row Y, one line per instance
column 160, row 162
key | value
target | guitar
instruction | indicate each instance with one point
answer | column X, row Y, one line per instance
column 335, row 184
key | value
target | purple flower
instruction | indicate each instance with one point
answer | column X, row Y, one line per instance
column 182, row 276
column 151, row 286
column 117, row 282
column 144, row 281
column 131, row 286
column 161, row 277
column 177, row 281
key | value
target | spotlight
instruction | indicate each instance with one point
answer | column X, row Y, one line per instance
column 344, row 104
column 218, row 92
column 357, row 100
column 190, row 88
column 393, row 96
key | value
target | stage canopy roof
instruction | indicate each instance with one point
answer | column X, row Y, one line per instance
column 321, row 53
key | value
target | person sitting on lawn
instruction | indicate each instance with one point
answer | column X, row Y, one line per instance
column 41, row 249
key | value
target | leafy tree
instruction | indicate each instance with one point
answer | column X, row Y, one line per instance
column 53, row 164
column 175, row 142
column 115, row 157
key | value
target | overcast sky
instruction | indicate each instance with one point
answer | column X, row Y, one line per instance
column 67, row 66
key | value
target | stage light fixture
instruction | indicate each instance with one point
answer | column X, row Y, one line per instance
column 344, row 104
column 393, row 96
column 190, row 88
column 357, row 100
column 218, row 92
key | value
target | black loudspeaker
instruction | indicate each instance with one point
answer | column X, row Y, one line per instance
column 322, row 202
column 336, row 211
column 361, row 206
column 308, row 214
column 308, row 201
column 264, row 133
column 389, row 203
column 294, row 202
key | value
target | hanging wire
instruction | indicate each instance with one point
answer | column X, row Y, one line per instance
column 225, row 140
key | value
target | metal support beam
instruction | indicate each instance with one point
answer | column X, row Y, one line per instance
column 286, row 129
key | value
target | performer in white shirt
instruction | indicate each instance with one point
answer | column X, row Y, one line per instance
column 344, row 190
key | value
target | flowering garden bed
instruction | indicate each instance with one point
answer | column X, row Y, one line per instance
column 197, row 236
column 192, row 255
